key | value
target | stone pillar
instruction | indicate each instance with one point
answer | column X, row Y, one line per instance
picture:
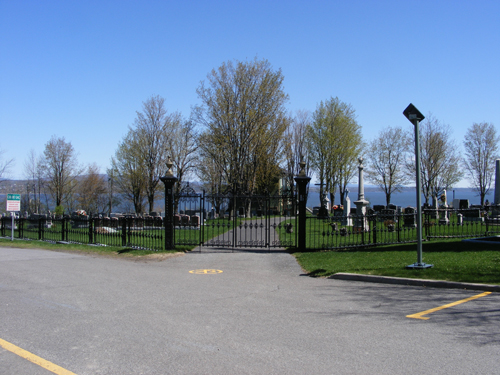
column 302, row 180
column 169, row 180
column 361, row 224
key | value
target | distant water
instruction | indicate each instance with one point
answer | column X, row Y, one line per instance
column 373, row 195
column 404, row 199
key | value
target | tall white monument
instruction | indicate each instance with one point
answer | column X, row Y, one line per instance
column 360, row 223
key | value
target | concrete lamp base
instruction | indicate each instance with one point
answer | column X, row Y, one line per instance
column 419, row 266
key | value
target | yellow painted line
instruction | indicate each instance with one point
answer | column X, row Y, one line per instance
column 35, row 359
column 205, row 272
column 420, row 314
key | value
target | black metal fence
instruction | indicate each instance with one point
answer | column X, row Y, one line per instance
column 138, row 233
column 264, row 227
column 337, row 232
column 188, row 222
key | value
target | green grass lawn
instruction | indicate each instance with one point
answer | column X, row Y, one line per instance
column 115, row 251
column 452, row 260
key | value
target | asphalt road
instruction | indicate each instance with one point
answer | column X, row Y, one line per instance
column 260, row 315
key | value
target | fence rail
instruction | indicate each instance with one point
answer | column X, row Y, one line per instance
column 334, row 233
column 331, row 233
column 138, row 233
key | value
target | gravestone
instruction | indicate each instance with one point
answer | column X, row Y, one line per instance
column 195, row 220
column 443, row 214
column 387, row 215
column 472, row 214
column 346, row 217
column 185, row 220
column 79, row 219
column 323, row 210
column 177, row 220
column 392, row 206
column 409, row 217
column 34, row 219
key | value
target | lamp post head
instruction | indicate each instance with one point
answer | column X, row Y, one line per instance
column 413, row 114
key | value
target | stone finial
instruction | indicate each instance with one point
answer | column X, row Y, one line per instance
column 302, row 172
column 169, row 166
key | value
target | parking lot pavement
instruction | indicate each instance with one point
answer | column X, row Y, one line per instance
column 232, row 313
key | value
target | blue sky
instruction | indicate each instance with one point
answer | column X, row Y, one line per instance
column 81, row 69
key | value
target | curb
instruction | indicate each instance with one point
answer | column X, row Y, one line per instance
column 414, row 282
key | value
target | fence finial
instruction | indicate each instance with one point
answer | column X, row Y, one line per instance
column 169, row 166
column 302, row 172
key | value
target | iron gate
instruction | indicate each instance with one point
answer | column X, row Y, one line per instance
column 236, row 221
column 240, row 221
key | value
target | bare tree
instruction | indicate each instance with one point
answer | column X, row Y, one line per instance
column 128, row 172
column 242, row 115
column 296, row 145
column 92, row 191
column 335, row 143
column 113, row 199
column 154, row 127
column 183, row 146
column 481, row 151
column 439, row 159
column 212, row 177
column 60, row 167
column 33, row 171
column 386, row 161
column 5, row 166
column 141, row 158
column 70, row 201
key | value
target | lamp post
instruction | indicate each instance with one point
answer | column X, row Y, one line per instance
column 414, row 115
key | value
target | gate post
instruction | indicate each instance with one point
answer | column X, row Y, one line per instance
column 169, row 180
column 302, row 180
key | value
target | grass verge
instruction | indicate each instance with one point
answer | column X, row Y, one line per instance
column 111, row 251
column 453, row 260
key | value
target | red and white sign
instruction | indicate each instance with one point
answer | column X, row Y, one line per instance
column 13, row 202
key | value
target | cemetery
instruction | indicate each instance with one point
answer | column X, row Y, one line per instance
column 341, row 227
column 267, row 221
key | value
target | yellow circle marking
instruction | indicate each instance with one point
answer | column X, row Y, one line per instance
column 205, row 272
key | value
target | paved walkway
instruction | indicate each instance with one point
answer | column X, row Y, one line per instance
column 251, row 235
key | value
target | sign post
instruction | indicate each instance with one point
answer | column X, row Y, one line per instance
column 13, row 205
